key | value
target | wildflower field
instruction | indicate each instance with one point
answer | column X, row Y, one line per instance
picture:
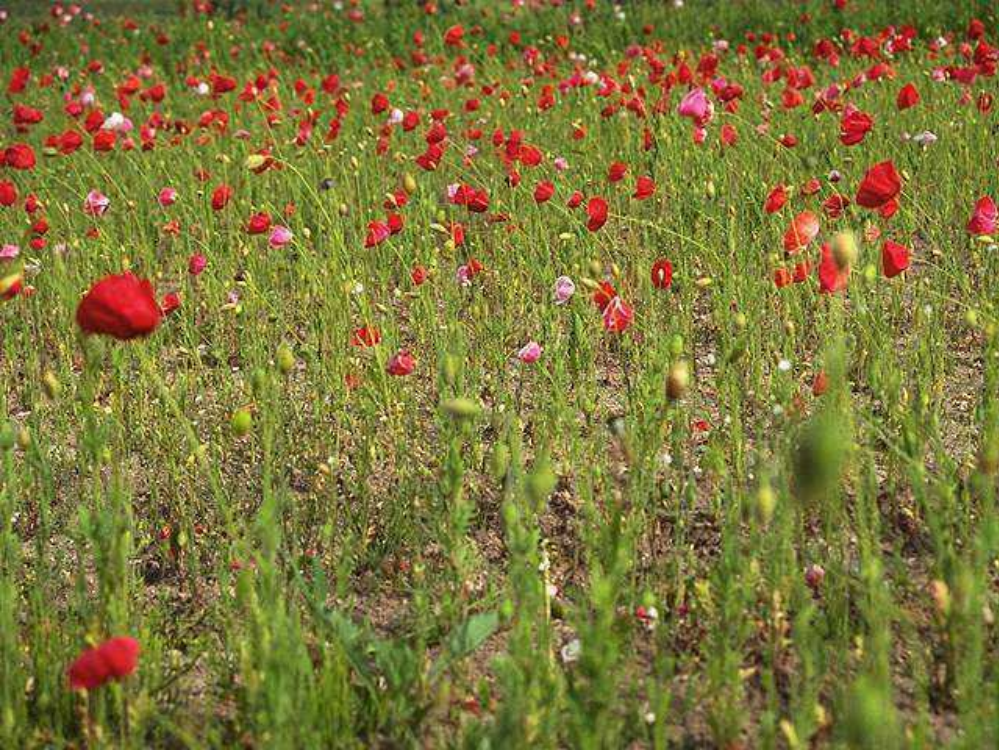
column 499, row 374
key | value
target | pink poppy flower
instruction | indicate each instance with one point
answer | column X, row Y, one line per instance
column 96, row 203
column 280, row 236
column 167, row 196
column 564, row 289
column 529, row 353
column 696, row 106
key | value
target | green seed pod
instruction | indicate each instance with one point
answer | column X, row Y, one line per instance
column 241, row 422
column 500, row 461
column 285, row 359
column 766, row 502
column 51, row 385
column 24, row 438
column 7, row 437
column 677, row 380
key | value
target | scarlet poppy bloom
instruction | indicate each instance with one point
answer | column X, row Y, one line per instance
column 171, row 302
column 121, row 306
column 8, row 193
column 907, row 97
column 221, row 197
column 832, row 278
column 603, row 294
column 644, row 188
column 575, row 199
column 259, row 223
column 365, row 337
column 775, row 199
column 114, row 659
column 880, row 187
column 543, row 192
column 782, row 278
column 617, row 315
column 18, row 156
column 616, row 172
column 804, row 228
column 894, row 258
column 401, row 364
column 854, row 126
column 662, row 274
column 983, row 219
column 418, row 275
column 596, row 209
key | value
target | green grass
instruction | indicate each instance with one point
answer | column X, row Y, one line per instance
column 456, row 557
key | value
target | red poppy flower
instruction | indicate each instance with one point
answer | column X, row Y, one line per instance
column 907, row 97
column 854, row 126
column 121, row 306
column 259, row 223
column 617, row 315
column 18, row 156
column 575, row 199
column 782, row 278
column 221, row 197
column 171, row 302
column 880, row 186
column 804, row 228
column 365, row 337
column 617, row 171
column 596, row 209
column 775, row 200
column 832, row 278
column 645, row 187
column 544, row 191
column 401, row 364
column 418, row 275
column 662, row 274
column 894, row 258
column 114, row 659
column 8, row 193
column 603, row 294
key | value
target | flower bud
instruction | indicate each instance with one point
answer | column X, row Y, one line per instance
column 677, row 380
column 241, row 422
column 844, row 249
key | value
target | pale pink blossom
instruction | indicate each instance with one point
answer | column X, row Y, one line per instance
column 280, row 236
column 529, row 353
column 96, row 203
column 564, row 289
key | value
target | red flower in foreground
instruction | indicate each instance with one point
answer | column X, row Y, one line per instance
column 880, row 187
column 114, row 659
column 804, row 228
column 832, row 278
column 854, row 126
column 775, row 200
column 662, row 274
column 122, row 306
column 617, row 315
column 401, row 364
column 894, row 258
column 18, row 156
column 644, row 188
column 221, row 197
column 907, row 97
column 596, row 209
